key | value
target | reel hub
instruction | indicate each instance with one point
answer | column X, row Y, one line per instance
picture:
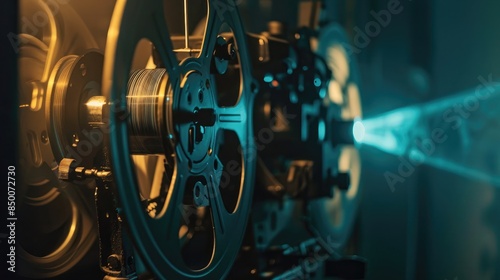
column 197, row 119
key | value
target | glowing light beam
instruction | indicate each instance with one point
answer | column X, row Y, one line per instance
column 460, row 133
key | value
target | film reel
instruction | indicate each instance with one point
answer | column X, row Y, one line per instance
column 56, row 218
column 309, row 101
column 204, row 139
column 334, row 218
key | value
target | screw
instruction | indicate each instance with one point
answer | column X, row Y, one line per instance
column 83, row 69
column 45, row 138
column 225, row 51
column 76, row 140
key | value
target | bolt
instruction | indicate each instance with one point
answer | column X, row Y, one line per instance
column 114, row 262
column 68, row 171
column 83, row 70
column 45, row 138
column 225, row 51
column 76, row 139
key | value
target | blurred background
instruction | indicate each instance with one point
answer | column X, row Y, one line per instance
column 436, row 224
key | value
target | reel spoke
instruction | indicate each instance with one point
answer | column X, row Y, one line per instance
column 161, row 39
column 213, row 25
column 148, row 23
column 233, row 118
column 219, row 214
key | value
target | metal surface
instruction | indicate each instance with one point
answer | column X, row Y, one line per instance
column 73, row 82
column 307, row 106
column 96, row 111
column 58, row 214
column 147, row 89
column 157, row 238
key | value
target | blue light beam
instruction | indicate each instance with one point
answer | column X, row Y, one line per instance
column 459, row 133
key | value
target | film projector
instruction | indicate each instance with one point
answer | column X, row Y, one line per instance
column 177, row 152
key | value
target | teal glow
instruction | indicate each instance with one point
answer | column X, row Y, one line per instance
column 389, row 132
column 321, row 130
column 268, row 78
column 317, row 82
column 293, row 97
column 459, row 133
column 322, row 93
column 358, row 130
column 463, row 170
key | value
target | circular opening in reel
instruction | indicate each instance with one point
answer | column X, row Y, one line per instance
column 231, row 179
column 196, row 20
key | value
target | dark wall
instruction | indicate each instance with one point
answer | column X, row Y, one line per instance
column 463, row 232
column 435, row 225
